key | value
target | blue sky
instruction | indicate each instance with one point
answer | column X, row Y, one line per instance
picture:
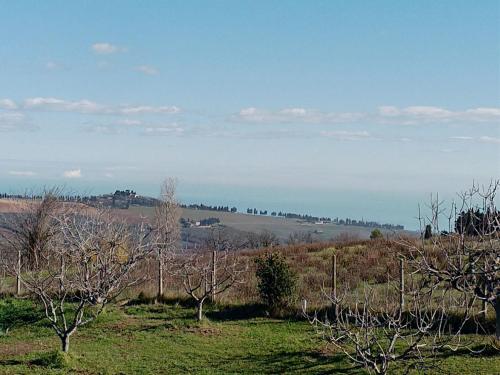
column 235, row 98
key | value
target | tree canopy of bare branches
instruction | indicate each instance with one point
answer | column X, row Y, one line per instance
column 211, row 271
column 167, row 228
column 75, row 260
column 467, row 256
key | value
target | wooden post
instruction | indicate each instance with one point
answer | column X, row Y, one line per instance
column 401, row 285
column 484, row 310
column 214, row 270
column 160, row 275
column 334, row 286
column 334, row 276
column 18, row 276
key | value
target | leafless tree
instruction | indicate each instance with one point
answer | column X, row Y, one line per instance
column 374, row 332
column 210, row 272
column 167, row 228
column 299, row 237
column 220, row 240
column 262, row 239
column 30, row 232
column 78, row 263
column 467, row 256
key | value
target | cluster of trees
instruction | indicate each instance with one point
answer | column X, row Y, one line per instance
column 202, row 206
column 474, row 222
column 316, row 219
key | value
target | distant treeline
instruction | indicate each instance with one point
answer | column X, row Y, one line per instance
column 319, row 219
column 202, row 206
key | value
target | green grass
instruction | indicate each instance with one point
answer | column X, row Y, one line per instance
column 152, row 339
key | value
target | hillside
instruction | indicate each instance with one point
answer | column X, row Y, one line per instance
column 281, row 227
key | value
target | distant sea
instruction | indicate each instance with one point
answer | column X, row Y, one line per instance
column 383, row 207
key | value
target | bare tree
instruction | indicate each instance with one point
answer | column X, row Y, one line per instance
column 374, row 332
column 208, row 273
column 30, row 232
column 83, row 261
column 467, row 256
column 220, row 240
column 298, row 237
column 167, row 228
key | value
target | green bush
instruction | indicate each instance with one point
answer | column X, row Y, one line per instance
column 375, row 234
column 277, row 283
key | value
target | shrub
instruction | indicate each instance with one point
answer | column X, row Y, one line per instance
column 375, row 234
column 277, row 283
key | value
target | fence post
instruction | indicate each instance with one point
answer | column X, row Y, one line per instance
column 334, row 286
column 401, row 285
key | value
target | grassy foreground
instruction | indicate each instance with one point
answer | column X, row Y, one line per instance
column 164, row 339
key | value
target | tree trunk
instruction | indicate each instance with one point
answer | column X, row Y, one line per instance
column 199, row 311
column 497, row 312
column 401, row 286
column 65, row 343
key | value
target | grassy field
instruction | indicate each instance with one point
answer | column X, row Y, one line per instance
column 164, row 339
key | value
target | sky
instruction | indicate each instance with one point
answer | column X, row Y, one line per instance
column 355, row 108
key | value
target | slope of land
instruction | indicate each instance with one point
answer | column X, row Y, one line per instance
column 282, row 227
column 164, row 339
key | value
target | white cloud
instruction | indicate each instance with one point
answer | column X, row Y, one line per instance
column 74, row 173
column 343, row 135
column 488, row 139
column 483, row 139
column 7, row 104
column 171, row 129
column 89, row 107
column 129, row 122
column 294, row 115
column 428, row 114
column 22, row 173
column 147, row 69
column 104, row 48
column 133, row 110
column 412, row 115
